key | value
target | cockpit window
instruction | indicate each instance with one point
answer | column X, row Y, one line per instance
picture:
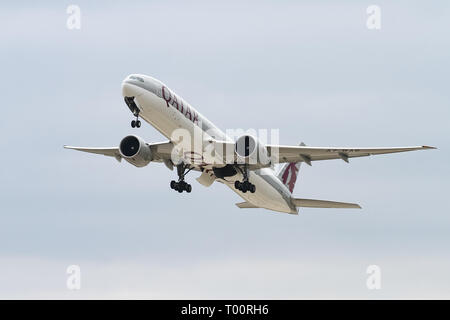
column 137, row 78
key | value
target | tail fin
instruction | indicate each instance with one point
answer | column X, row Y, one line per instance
column 289, row 173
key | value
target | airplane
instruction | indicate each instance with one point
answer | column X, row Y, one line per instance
column 246, row 165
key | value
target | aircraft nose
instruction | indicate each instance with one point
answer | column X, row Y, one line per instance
column 131, row 87
column 128, row 89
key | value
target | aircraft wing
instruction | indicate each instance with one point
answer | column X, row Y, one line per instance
column 110, row 152
column 161, row 151
column 308, row 154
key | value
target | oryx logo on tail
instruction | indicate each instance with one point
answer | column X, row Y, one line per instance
column 288, row 174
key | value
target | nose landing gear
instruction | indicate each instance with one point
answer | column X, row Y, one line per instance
column 135, row 110
column 136, row 123
column 181, row 185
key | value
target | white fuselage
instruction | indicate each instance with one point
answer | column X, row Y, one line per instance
column 167, row 112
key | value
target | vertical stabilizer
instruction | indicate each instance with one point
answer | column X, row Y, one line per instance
column 289, row 173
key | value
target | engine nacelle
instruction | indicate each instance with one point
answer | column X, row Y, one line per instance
column 250, row 151
column 134, row 150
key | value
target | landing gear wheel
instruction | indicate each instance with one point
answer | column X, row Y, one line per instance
column 138, row 123
column 245, row 186
column 181, row 185
column 133, row 123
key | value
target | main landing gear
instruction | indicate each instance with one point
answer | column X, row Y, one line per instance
column 245, row 185
column 181, row 185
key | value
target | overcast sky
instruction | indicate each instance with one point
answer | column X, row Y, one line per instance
column 313, row 71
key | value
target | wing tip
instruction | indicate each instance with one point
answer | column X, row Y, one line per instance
column 351, row 206
column 70, row 147
column 428, row 147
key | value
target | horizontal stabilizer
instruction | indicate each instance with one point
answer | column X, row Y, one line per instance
column 246, row 205
column 311, row 203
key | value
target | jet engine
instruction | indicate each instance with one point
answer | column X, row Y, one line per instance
column 250, row 151
column 134, row 150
